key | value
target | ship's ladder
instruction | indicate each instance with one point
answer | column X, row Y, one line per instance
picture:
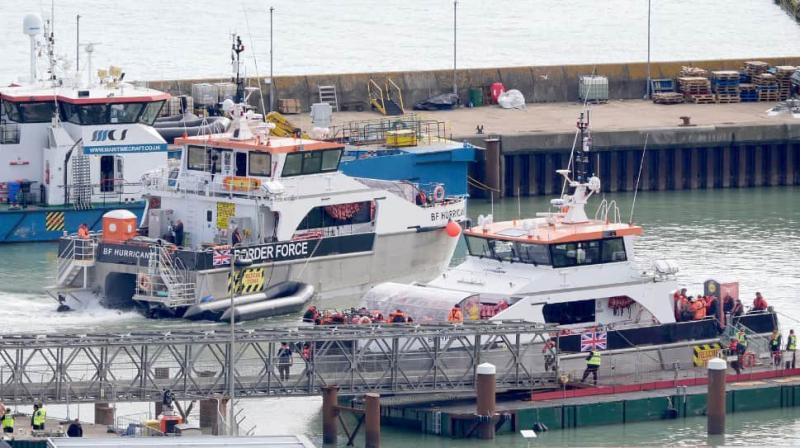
column 165, row 280
column 327, row 94
column 81, row 182
column 387, row 100
column 78, row 256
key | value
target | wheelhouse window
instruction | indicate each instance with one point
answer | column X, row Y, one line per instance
column 505, row 250
column 567, row 313
column 93, row 113
column 533, row 253
column 69, row 112
column 150, row 113
column 479, row 247
column 196, row 158
column 124, row 112
column 588, row 252
column 30, row 112
column 311, row 162
column 260, row 164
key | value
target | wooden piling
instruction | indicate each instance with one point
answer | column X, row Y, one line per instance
column 486, row 400
column 330, row 414
column 372, row 418
column 716, row 396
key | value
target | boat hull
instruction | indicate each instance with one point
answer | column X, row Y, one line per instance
column 38, row 224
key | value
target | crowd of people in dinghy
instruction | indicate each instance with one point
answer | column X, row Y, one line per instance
column 689, row 308
column 472, row 311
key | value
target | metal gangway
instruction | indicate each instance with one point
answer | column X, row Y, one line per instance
column 387, row 359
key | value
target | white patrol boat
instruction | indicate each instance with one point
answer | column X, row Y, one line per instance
column 72, row 150
column 565, row 268
column 279, row 205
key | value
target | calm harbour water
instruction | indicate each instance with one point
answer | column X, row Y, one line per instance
column 181, row 39
column 752, row 235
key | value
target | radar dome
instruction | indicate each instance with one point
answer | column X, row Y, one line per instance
column 32, row 25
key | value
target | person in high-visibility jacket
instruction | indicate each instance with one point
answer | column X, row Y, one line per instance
column 775, row 347
column 455, row 314
column 791, row 348
column 8, row 422
column 39, row 418
column 592, row 365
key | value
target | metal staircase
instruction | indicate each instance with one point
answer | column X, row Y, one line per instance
column 387, row 100
column 165, row 280
column 77, row 258
column 327, row 94
column 81, row 183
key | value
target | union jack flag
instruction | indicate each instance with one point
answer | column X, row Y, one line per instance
column 594, row 340
column 221, row 257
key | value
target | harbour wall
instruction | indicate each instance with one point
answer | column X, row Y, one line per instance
column 539, row 84
column 680, row 158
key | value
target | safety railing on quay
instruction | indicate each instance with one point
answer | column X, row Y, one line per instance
column 391, row 359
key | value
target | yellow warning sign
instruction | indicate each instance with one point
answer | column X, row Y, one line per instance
column 248, row 281
column 704, row 352
column 225, row 211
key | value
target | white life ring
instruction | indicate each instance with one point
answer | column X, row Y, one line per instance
column 438, row 193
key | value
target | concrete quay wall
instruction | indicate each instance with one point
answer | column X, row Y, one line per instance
column 539, row 84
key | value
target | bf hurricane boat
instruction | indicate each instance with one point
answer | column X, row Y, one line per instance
column 565, row 268
column 71, row 150
column 290, row 215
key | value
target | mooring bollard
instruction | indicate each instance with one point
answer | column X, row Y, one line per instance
column 716, row 396
column 329, row 414
column 372, row 417
column 486, row 400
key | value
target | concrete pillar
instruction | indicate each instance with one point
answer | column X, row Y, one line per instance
column 613, row 178
column 677, row 168
column 716, row 396
column 210, row 412
column 486, row 400
column 493, row 165
column 744, row 168
column 103, row 414
column 372, row 420
column 533, row 175
column 758, row 166
column 663, row 164
column 774, row 164
column 791, row 161
column 330, row 412
column 549, row 170
column 694, row 168
column 726, row 167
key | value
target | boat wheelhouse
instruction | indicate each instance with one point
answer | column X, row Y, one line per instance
column 280, row 203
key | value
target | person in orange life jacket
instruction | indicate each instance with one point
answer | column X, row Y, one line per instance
column 733, row 349
column 83, row 231
column 759, row 303
column 311, row 314
column 455, row 314
column 698, row 309
column 398, row 317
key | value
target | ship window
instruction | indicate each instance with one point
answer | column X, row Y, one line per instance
column 566, row 313
column 11, row 111
column 150, row 113
column 533, row 253
column 260, row 164
column 478, row 247
column 293, row 164
column 330, row 160
column 312, row 162
column 337, row 215
column 503, row 250
column 93, row 113
column 69, row 112
column 196, row 158
column 614, row 250
column 39, row 112
column 125, row 112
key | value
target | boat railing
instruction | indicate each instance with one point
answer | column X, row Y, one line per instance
column 605, row 208
column 374, row 132
column 170, row 180
column 166, row 280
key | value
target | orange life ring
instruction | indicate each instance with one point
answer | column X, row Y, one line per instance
column 438, row 193
column 144, row 282
column 240, row 183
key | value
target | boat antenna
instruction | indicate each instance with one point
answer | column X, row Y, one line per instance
column 255, row 59
column 78, row 43
column 236, row 50
column 582, row 157
column 638, row 177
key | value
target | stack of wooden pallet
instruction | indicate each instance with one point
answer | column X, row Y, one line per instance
column 725, row 84
column 783, row 74
column 766, row 86
column 748, row 92
column 753, row 68
column 696, row 89
column 687, row 70
column 668, row 98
